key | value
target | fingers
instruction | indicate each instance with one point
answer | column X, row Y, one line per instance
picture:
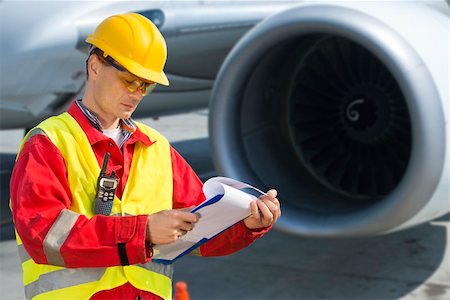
column 272, row 202
column 186, row 226
column 254, row 210
column 272, row 193
column 266, row 215
column 186, row 216
column 167, row 226
column 266, row 210
column 184, row 221
column 273, row 207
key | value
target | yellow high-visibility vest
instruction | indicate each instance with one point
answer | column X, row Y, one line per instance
column 148, row 190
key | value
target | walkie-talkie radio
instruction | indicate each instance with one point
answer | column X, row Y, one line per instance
column 106, row 190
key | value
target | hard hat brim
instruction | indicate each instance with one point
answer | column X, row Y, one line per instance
column 142, row 72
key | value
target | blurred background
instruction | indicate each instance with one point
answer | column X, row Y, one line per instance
column 341, row 105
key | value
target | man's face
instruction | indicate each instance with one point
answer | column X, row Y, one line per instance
column 111, row 91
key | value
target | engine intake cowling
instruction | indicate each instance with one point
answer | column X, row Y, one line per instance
column 342, row 108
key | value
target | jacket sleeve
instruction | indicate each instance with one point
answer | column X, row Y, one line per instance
column 53, row 234
column 188, row 192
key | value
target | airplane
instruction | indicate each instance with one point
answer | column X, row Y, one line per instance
column 342, row 106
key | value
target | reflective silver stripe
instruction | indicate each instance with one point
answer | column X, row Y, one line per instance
column 166, row 270
column 58, row 235
column 23, row 254
column 34, row 132
column 62, row 279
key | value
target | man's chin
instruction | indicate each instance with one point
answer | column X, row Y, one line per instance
column 126, row 115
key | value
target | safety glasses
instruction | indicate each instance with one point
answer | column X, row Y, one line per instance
column 131, row 82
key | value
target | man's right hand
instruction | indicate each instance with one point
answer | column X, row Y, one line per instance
column 167, row 226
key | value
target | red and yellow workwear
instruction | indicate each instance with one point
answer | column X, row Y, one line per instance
column 68, row 252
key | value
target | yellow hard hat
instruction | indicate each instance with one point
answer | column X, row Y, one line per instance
column 135, row 42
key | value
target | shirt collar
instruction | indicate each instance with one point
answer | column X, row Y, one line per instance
column 127, row 124
column 91, row 125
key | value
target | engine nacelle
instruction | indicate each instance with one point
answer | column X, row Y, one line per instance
column 343, row 107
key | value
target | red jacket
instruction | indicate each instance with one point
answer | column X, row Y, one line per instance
column 40, row 190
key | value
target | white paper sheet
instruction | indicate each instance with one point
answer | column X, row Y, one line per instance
column 226, row 205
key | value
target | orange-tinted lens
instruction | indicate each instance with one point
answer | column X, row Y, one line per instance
column 145, row 87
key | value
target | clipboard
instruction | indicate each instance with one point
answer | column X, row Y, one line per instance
column 228, row 202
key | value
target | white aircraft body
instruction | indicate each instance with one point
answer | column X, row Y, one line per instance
column 342, row 106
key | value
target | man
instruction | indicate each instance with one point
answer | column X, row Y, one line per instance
column 73, row 249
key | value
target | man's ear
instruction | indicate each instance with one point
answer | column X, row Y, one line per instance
column 94, row 65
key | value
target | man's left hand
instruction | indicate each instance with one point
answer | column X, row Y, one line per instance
column 265, row 211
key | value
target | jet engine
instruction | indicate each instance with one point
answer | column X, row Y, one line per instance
column 343, row 108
